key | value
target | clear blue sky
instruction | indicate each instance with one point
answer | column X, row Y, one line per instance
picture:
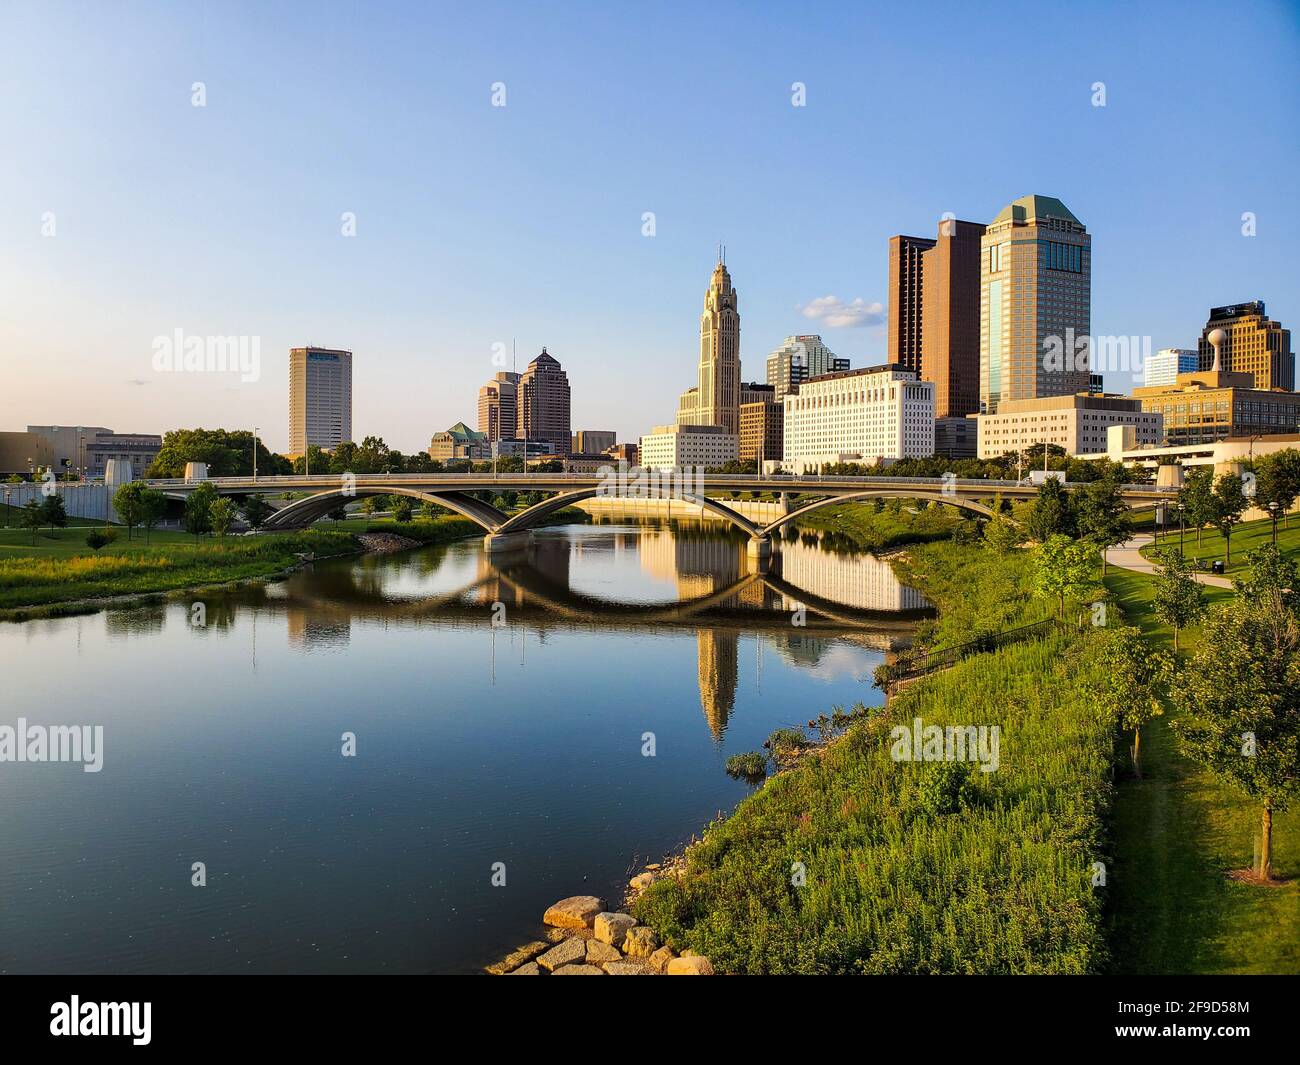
column 476, row 225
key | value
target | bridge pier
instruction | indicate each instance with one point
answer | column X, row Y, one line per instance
column 505, row 543
column 759, row 547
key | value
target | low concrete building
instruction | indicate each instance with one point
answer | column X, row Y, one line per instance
column 593, row 441
column 668, row 447
column 1077, row 423
column 23, row 453
column 459, row 442
column 1214, row 405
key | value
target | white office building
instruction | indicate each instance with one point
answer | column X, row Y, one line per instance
column 671, row 447
column 1165, row 365
column 881, row 412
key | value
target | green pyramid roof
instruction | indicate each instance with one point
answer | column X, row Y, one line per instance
column 1030, row 207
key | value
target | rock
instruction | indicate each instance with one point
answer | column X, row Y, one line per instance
column 527, row 969
column 555, row 934
column 516, row 958
column 626, row 968
column 640, row 942
column 577, row 911
column 612, row 927
column 577, row 970
column 660, row 958
column 641, row 881
column 598, row 952
column 695, row 965
column 654, row 867
column 567, row 953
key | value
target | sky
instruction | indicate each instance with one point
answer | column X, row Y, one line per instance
column 127, row 213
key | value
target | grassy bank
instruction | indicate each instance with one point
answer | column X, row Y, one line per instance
column 889, row 524
column 1245, row 538
column 1177, row 832
column 1001, row 886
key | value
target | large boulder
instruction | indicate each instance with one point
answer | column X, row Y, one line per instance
column 641, row 881
column 598, row 952
column 695, row 965
column 626, row 968
column 640, row 942
column 660, row 958
column 527, row 969
column 571, row 951
column 612, row 927
column 577, row 970
column 577, row 911
column 517, row 958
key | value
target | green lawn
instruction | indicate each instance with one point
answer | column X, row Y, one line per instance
column 1245, row 537
column 1176, row 833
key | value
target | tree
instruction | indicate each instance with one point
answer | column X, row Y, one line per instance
column 1240, row 703
column 339, row 513
column 1277, row 480
column 198, row 507
column 126, row 501
column 97, row 538
column 1228, row 502
column 30, row 517
column 1102, row 515
column 153, row 505
column 1197, row 497
column 256, row 511
column 430, row 511
column 1051, row 513
column 228, row 453
column 1179, row 599
column 1272, row 579
column 1002, row 535
column 369, row 505
column 1063, row 567
column 53, row 512
column 1127, row 691
column 221, row 514
column 402, row 509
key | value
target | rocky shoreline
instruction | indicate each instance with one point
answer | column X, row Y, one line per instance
column 585, row 939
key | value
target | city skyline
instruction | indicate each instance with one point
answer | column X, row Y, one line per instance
column 168, row 216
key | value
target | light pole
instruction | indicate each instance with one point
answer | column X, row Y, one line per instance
column 255, row 431
column 1181, row 508
column 1272, row 513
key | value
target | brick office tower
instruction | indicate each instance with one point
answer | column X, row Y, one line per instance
column 906, row 293
column 1253, row 344
column 543, row 404
column 950, row 318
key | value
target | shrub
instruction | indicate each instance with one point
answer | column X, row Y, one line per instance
column 945, row 787
column 749, row 766
column 98, row 538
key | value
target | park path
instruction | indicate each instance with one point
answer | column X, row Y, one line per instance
column 1128, row 556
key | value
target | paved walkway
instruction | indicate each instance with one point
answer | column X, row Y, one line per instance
column 1127, row 556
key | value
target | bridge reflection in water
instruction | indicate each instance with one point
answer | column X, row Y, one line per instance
column 814, row 592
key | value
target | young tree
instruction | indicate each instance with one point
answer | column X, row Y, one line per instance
column 1272, row 580
column 1240, row 702
column 1128, row 690
column 1103, row 516
column 339, row 513
column 198, row 507
column 53, row 512
column 1002, row 535
column 221, row 513
column 1277, row 480
column 1228, row 503
column 30, row 517
column 1197, row 498
column 402, row 509
column 369, row 505
column 256, row 511
column 1063, row 567
column 98, row 538
column 126, row 501
column 1052, row 512
column 430, row 511
column 153, row 505
column 1179, row 599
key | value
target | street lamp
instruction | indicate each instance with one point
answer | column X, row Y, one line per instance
column 1182, row 507
column 1272, row 513
column 255, row 429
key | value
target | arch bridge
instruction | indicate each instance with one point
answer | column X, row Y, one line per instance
column 461, row 494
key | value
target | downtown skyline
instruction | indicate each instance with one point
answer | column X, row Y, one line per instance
column 177, row 217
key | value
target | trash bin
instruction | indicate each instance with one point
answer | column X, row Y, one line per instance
column 1217, row 567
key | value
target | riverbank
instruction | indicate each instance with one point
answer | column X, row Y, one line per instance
column 856, row 861
column 62, row 577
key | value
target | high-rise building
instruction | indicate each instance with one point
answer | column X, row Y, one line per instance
column 1035, row 303
column 1253, row 344
column 593, row 441
column 1165, row 365
column 859, row 416
column 716, row 398
column 320, row 398
column 950, row 318
column 798, row 359
column 498, row 407
column 762, row 430
column 906, row 283
column 543, row 404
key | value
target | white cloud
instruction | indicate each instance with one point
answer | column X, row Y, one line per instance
column 836, row 313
